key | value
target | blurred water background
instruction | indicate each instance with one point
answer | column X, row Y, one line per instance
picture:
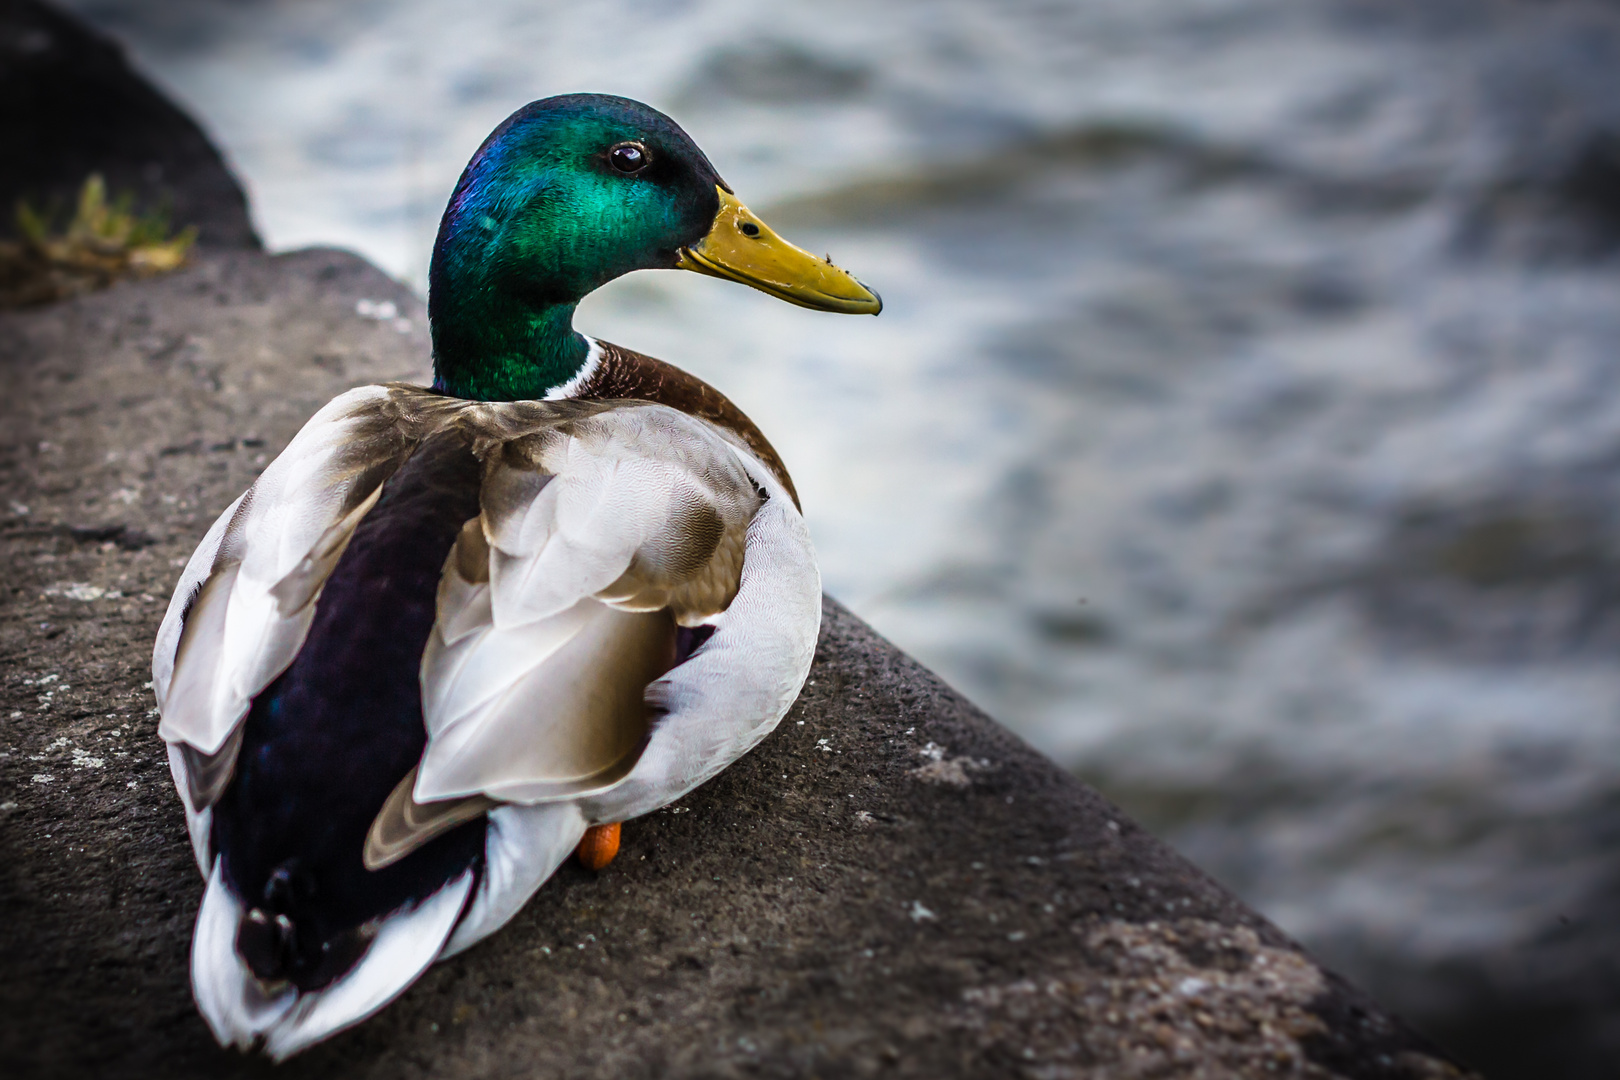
column 1243, row 427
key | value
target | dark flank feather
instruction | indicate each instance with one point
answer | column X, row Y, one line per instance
column 327, row 741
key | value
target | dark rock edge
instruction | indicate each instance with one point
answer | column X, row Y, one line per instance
column 71, row 105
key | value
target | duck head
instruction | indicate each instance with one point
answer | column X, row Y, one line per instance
column 566, row 195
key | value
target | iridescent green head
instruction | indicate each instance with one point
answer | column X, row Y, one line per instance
column 566, row 195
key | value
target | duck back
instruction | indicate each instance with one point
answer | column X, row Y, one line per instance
column 327, row 741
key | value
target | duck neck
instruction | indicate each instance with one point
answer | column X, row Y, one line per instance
column 489, row 345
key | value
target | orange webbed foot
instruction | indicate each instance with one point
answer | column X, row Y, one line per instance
column 598, row 846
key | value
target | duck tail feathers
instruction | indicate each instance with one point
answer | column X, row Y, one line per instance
column 243, row 1011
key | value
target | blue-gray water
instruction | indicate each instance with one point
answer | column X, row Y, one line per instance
column 1243, row 427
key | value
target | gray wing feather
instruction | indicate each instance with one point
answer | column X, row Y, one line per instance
column 598, row 534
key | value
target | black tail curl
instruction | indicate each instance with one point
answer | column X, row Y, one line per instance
column 279, row 946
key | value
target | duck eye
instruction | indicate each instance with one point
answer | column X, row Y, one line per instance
column 629, row 157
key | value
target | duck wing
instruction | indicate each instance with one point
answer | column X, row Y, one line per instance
column 635, row 607
column 605, row 529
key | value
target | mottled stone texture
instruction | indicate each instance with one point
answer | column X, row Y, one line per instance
column 70, row 105
column 890, row 885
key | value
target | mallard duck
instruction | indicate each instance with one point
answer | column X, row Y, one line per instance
column 453, row 634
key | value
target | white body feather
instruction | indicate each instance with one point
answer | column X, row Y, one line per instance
column 597, row 524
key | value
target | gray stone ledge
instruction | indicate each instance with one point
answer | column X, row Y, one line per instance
column 892, row 884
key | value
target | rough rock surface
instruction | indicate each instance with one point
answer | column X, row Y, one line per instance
column 70, row 105
column 890, row 885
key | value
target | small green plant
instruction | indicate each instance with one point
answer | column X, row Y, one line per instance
column 104, row 242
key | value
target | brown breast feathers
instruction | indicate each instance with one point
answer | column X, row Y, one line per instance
column 624, row 373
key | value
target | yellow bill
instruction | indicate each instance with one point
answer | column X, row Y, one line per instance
column 742, row 248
